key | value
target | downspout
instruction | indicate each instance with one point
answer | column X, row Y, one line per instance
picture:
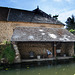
column 7, row 35
column 8, row 14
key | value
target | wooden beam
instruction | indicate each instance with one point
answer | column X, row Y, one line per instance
column 54, row 49
column 46, row 59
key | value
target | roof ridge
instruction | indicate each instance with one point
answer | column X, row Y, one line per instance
column 20, row 16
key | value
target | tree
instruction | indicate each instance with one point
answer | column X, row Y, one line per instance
column 70, row 23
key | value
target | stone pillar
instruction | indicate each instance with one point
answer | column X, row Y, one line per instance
column 17, row 57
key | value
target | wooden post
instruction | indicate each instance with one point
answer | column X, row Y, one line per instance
column 54, row 49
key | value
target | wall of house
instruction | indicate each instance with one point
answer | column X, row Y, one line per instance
column 37, row 48
column 6, row 28
column 6, row 31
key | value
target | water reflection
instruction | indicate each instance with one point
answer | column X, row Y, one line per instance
column 26, row 69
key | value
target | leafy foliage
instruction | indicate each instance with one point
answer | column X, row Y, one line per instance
column 72, row 31
column 6, row 42
column 70, row 23
column 7, row 53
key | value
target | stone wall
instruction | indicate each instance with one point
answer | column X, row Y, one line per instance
column 40, row 48
column 6, row 31
column 6, row 28
column 17, row 54
column 37, row 48
column 67, row 48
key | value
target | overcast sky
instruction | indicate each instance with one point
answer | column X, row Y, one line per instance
column 64, row 8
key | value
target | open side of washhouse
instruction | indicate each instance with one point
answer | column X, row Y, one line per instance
column 33, row 43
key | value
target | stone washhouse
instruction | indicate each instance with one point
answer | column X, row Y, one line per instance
column 35, row 31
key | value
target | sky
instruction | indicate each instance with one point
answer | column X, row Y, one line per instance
column 63, row 8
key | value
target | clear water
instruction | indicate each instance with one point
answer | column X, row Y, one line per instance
column 63, row 69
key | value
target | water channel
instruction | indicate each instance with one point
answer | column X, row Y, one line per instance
column 25, row 69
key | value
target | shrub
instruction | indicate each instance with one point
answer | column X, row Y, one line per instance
column 8, row 53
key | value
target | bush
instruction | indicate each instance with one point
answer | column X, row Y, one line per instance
column 8, row 53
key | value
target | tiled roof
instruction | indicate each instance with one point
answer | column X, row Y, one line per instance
column 42, row 34
column 35, row 16
column 3, row 14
